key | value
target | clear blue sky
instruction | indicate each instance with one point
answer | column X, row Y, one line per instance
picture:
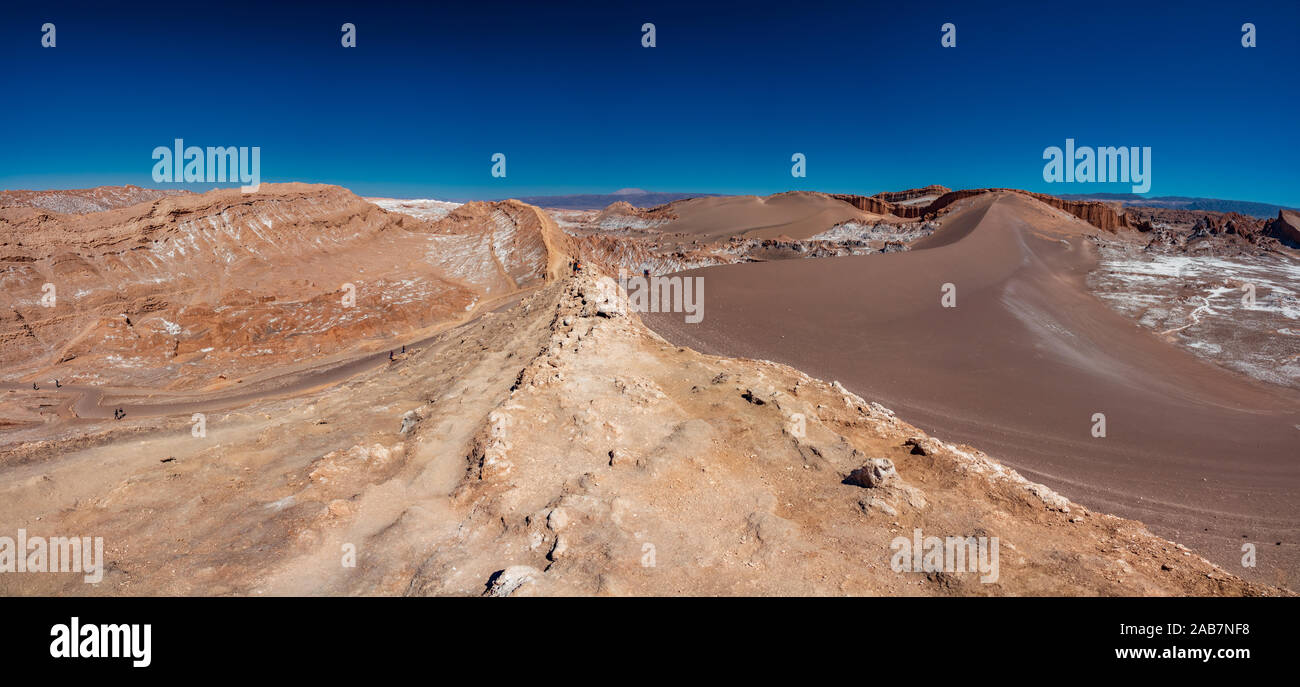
column 732, row 89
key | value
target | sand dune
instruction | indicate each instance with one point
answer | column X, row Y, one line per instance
column 1019, row 368
column 797, row 215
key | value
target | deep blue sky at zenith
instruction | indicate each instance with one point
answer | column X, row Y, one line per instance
column 566, row 91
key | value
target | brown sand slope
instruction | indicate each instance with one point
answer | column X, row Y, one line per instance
column 798, row 215
column 1020, row 366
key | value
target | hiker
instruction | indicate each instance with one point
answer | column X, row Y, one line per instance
column 34, row 387
column 390, row 356
column 57, row 385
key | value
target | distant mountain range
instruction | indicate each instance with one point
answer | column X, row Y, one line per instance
column 645, row 199
column 1245, row 207
column 599, row 201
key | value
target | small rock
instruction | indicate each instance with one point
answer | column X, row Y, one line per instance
column 918, row 446
column 557, row 519
column 1051, row 499
column 561, row 545
column 877, row 472
column 606, row 298
column 508, row 581
column 409, row 421
column 879, row 504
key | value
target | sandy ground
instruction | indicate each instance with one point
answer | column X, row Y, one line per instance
column 1020, row 367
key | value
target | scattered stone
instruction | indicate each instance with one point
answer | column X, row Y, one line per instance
column 557, row 519
column 409, row 421
column 605, row 296
column 618, row 456
column 869, row 502
column 508, row 581
column 1051, row 499
column 919, row 446
column 877, row 472
column 915, row 497
column 561, row 545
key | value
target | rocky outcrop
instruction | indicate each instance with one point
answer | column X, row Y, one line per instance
column 933, row 190
column 623, row 215
column 227, row 281
column 1220, row 231
column 1285, row 228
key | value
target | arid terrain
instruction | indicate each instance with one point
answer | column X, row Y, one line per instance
column 237, row 390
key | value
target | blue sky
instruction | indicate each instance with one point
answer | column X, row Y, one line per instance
column 729, row 93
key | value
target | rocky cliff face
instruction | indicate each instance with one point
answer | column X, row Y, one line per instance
column 183, row 290
column 1098, row 214
column 876, row 205
column 1285, row 228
